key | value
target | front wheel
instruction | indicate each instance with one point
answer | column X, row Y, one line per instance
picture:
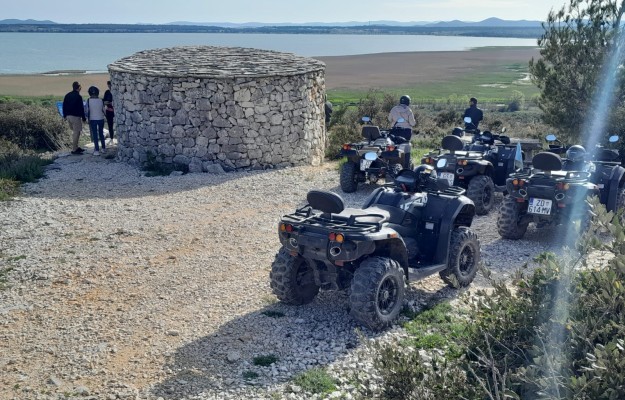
column 481, row 190
column 510, row 224
column 377, row 292
column 292, row 279
column 349, row 177
column 464, row 257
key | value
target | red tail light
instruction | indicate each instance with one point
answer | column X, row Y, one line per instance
column 289, row 228
column 347, row 147
column 390, row 148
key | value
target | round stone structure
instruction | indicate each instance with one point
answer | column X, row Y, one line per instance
column 212, row 108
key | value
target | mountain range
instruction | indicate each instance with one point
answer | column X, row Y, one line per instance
column 489, row 22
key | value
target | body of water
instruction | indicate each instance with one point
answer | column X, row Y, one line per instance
column 27, row 53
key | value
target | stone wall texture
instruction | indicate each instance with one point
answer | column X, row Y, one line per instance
column 219, row 107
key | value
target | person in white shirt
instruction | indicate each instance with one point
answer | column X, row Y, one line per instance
column 95, row 115
column 402, row 110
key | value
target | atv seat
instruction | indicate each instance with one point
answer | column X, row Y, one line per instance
column 452, row 143
column 371, row 132
column 371, row 214
column 325, row 201
column 547, row 161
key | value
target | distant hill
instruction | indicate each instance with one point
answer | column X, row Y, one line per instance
column 489, row 22
column 25, row 21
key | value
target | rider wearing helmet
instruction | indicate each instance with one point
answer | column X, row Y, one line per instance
column 402, row 110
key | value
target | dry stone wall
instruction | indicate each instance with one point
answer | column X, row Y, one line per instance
column 212, row 108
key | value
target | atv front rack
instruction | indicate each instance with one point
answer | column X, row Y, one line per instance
column 306, row 216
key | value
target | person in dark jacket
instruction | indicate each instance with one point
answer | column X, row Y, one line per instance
column 109, row 112
column 74, row 114
column 474, row 113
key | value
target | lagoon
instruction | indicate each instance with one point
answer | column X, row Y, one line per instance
column 31, row 53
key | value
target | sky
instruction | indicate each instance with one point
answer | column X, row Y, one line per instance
column 298, row 11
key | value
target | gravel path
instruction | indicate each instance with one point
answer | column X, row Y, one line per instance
column 123, row 286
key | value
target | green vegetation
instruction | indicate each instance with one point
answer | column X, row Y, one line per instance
column 265, row 361
column 434, row 120
column 32, row 126
column 18, row 166
column 316, row 381
column 575, row 47
column 558, row 333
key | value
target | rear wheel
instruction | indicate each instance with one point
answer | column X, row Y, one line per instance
column 464, row 257
column 510, row 225
column 482, row 191
column 377, row 292
column 349, row 177
column 292, row 279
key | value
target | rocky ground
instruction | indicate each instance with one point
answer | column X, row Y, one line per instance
column 122, row 286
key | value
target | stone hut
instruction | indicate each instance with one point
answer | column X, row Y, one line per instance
column 219, row 107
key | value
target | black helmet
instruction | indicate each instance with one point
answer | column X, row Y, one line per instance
column 405, row 99
column 424, row 172
column 458, row 132
column 93, row 91
column 576, row 153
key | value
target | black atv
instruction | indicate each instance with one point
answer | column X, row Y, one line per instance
column 604, row 165
column 382, row 154
column 407, row 230
column 545, row 195
column 481, row 166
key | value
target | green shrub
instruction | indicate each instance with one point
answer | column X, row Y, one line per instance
column 265, row 361
column 339, row 135
column 315, row 380
column 33, row 127
column 516, row 102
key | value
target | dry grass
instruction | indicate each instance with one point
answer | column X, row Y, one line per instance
column 386, row 70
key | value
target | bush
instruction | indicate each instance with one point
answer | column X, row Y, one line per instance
column 18, row 166
column 339, row 135
column 516, row 102
column 33, row 127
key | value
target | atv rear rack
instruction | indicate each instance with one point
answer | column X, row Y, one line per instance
column 306, row 217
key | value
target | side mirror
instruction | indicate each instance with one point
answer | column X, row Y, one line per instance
column 613, row 139
column 551, row 137
column 504, row 139
column 400, row 119
column 366, row 119
column 467, row 120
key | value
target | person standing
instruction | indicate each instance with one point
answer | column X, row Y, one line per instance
column 474, row 113
column 109, row 111
column 74, row 114
column 95, row 112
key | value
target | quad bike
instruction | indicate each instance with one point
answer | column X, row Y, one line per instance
column 382, row 154
column 413, row 228
column 604, row 165
column 547, row 194
column 481, row 167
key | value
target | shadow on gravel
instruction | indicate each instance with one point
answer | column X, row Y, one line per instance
column 91, row 177
column 299, row 337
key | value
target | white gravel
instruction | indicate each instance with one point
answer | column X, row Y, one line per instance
column 131, row 287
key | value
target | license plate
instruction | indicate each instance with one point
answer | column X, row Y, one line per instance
column 539, row 206
column 364, row 164
column 449, row 176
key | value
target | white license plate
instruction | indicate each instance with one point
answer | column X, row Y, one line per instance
column 364, row 164
column 539, row 206
column 449, row 176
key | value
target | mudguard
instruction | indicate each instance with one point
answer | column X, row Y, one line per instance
column 615, row 184
column 460, row 205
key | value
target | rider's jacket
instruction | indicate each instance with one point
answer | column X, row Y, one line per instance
column 475, row 114
column 402, row 111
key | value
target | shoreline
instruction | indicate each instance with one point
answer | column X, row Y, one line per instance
column 353, row 72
